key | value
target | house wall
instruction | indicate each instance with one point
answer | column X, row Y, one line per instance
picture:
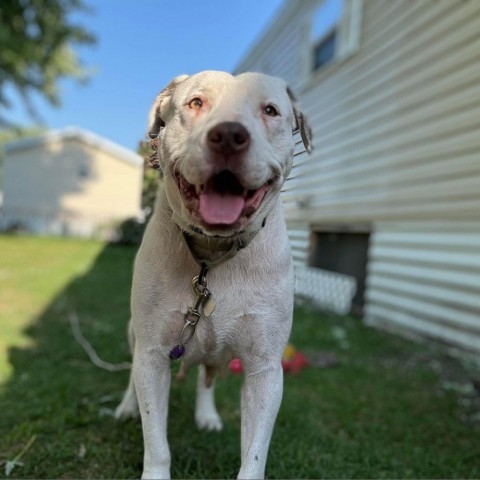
column 424, row 280
column 68, row 186
column 396, row 136
column 280, row 51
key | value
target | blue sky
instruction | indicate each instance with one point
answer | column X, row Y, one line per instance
column 140, row 46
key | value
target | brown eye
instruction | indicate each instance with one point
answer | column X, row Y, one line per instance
column 271, row 111
column 195, row 103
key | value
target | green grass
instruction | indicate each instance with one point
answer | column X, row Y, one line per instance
column 381, row 413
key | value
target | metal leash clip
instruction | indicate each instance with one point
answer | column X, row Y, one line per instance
column 203, row 307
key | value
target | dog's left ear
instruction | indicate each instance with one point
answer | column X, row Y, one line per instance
column 301, row 123
column 160, row 105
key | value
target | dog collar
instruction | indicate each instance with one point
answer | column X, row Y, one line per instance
column 212, row 251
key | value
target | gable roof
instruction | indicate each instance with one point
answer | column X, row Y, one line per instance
column 75, row 133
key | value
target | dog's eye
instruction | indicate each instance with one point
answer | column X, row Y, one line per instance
column 195, row 103
column 271, row 111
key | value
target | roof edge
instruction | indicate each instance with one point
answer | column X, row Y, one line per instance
column 276, row 23
column 75, row 133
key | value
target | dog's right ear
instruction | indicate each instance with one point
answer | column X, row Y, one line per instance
column 160, row 105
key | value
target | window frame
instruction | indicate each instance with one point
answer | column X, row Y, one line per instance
column 347, row 37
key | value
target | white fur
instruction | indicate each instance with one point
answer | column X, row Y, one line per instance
column 253, row 290
column 206, row 415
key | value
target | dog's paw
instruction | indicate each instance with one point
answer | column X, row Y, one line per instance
column 209, row 421
column 127, row 409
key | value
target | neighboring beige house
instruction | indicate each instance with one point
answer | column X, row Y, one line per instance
column 391, row 193
column 69, row 182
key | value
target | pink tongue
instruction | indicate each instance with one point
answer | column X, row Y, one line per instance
column 220, row 209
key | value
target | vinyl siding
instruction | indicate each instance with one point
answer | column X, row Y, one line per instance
column 425, row 278
column 279, row 51
column 396, row 127
column 299, row 236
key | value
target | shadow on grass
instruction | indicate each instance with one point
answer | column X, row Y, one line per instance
column 58, row 395
column 379, row 414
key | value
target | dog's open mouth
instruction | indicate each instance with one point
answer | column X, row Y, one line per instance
column 223, row 200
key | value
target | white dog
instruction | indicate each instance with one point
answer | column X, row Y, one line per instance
column 213, row 278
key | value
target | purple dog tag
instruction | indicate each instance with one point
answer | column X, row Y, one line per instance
column 176, row 352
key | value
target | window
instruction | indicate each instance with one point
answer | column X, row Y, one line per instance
column 83, row 171
column 343, row 252
column 324, row 52
column 334, row 31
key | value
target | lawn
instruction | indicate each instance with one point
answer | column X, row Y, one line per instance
column 389, row 409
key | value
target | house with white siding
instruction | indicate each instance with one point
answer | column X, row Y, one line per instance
column 390, row 195
column 69, row 182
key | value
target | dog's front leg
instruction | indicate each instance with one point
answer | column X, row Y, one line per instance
column 152, row 382
column 261, row 398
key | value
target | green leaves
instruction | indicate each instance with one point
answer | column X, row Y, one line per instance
column 38, row 40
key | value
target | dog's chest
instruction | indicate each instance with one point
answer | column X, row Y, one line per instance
column 229, row 319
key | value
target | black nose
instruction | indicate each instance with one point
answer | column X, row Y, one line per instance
column 228, row 138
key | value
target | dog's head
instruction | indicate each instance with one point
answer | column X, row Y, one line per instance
column 225, row 147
